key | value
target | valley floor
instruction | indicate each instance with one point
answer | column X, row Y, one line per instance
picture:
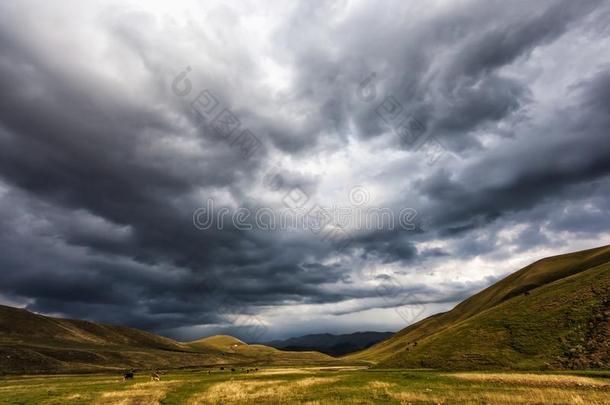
column 331, row 385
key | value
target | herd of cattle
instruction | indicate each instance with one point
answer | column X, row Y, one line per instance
column 156, row 376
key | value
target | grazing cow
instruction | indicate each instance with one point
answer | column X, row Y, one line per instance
column 128, row 376
column 222, row 368
column 232, row 370
column 154, row 376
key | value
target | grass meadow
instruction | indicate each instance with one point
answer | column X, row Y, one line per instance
column 294, row 385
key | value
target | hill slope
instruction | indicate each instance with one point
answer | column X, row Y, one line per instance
column 21, row 326
column 552, row 313
column 229, row 345
column 335, row 345
column 31, row 343
column 219, row 341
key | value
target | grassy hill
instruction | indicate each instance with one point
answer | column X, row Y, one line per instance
column 220, row 341
column 252, row 353
column 32, row 344
column 21, row 326
column 553, row 313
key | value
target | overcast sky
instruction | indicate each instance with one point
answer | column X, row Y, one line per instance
column 108, row 165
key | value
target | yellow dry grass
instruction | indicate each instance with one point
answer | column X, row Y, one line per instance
column 308, row 370
column 74, row 396
column 149, row 393
column 283, row 371
column 521, row 397
column 308, row 382
column 239, row 392
column 534, row 379
column 554, row 389
column 380, row 385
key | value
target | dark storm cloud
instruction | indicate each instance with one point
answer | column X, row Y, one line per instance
column 387, row 247
column 567, row 152
column 102, row 165
column 502, row 42
column 444, row 68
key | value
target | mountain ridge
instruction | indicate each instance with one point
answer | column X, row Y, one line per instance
column 332, row 344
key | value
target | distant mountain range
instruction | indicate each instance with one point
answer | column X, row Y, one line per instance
column 335, row 345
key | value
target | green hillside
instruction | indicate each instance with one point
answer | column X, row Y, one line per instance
column 224, row 342
column 230, row 345
column 550, row 314
column 33, row 344
column 21, row 326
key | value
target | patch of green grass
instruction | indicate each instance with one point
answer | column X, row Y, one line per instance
column 310, row 385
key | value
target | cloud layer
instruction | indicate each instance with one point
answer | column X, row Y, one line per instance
column 103, row 162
